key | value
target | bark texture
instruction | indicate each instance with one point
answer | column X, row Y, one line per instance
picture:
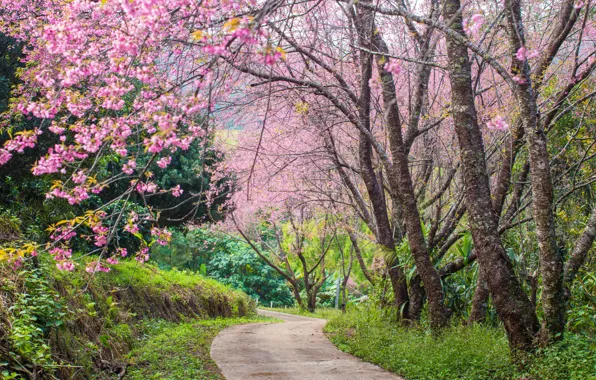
column 364, row 24
column 551, row 260
column 401, row 182
column 512, row 304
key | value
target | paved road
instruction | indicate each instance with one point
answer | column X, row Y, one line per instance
column 293, row 350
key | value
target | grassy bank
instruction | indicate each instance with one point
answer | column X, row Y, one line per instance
column 464, row 352
column 81, row 326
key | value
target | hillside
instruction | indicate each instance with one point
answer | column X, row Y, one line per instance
column 81, row 326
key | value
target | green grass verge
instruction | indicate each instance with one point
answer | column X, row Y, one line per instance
column 322, row 312
column 180, row 351
column 463, row 352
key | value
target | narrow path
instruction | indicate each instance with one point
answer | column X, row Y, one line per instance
column 295, row 349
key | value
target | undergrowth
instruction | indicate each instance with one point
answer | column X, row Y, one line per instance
column 461, row 352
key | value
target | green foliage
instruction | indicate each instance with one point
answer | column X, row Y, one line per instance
column 193, row 170
column 226, row 260
column 10, row 226
column 179, row 351
column 239, row 267
column 581, row 311
column 574, row 358
column 467, row 352
column 36, row 310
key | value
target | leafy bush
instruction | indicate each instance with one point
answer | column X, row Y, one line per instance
column 35, row 310
column 320, row 312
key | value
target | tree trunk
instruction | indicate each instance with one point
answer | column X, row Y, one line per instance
column 480, row 300
column 359, row 257
column 312, row 301
column 512, row 304
column 551, row 261
column 401, row 182
column 364, row 22
column 417, row 297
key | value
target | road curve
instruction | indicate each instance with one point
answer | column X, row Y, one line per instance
column 295, row 349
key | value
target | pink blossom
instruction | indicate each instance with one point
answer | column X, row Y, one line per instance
column 524, row 54
column 132, row 228
column 66, row 266
column 17, row 263
column 5, row 156
column 129, row 167
column 214, row 50
column 393, row 66
column 164, row 162
column 143, row 255
column 60, row 253
column 498, row 124
column 519, row 79
column 473, row 25
column 177, row 191
column 79, row 177
column 162, row 236
column 96, row 267
column 151, row 187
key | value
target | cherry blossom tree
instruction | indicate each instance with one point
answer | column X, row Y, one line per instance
column 111, row 79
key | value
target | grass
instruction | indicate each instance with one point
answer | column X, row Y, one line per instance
column 462, row 352
column 180, row 351
column 151, row 293
column 321, row 312
column 131, row 273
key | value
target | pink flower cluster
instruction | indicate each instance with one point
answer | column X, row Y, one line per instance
column 84, row 62
column 473, row 25
column 177, row 191
column 161, row 235
column 164, row 162
column 143, row 255
column 63, row 257
column 497, row 124
column 524, row 54
column 393, row 66
column 96, row 266
column 149, row 187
